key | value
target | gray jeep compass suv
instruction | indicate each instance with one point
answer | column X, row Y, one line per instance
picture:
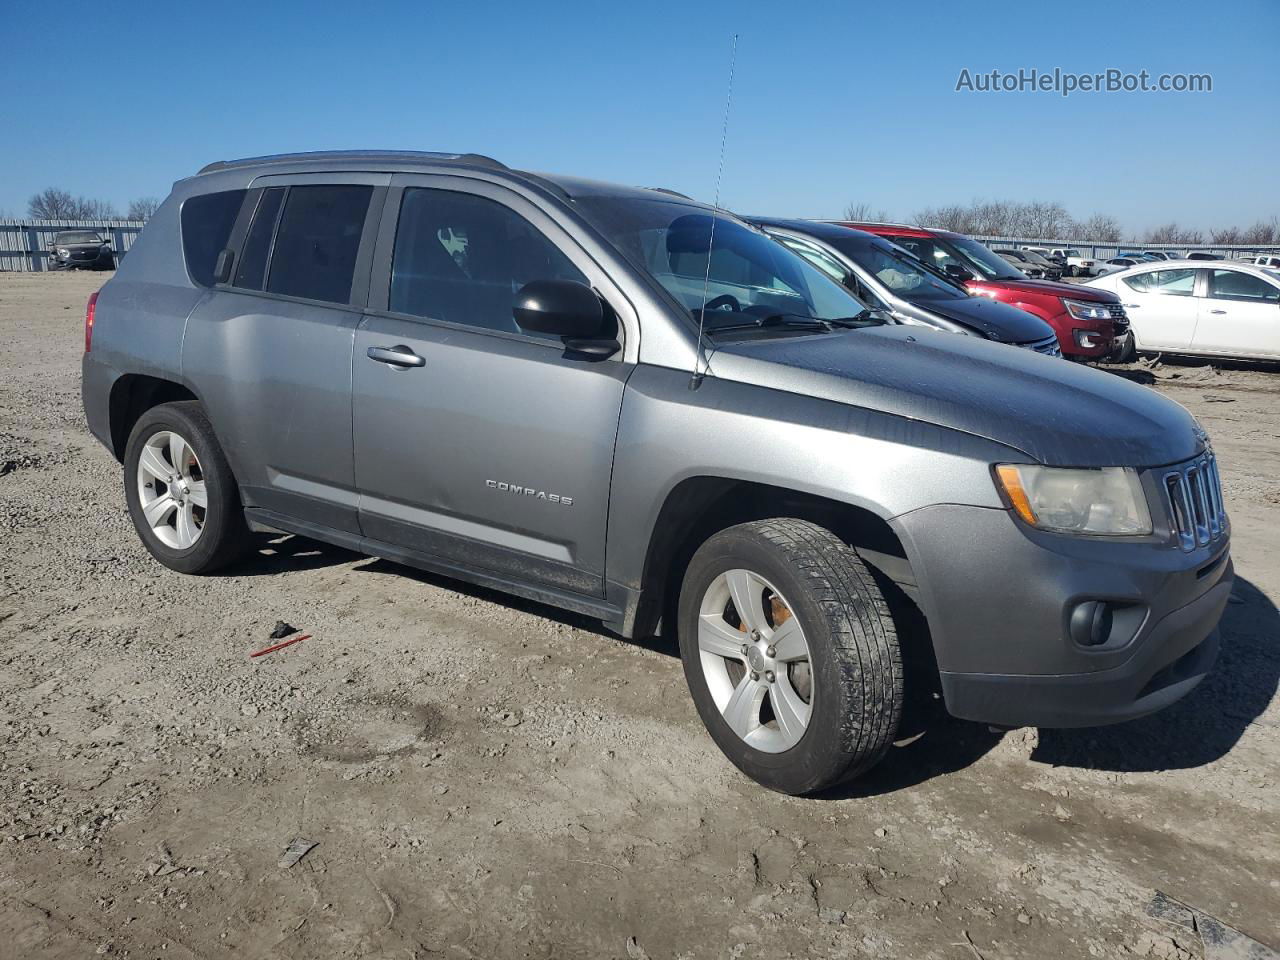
column 547, row 386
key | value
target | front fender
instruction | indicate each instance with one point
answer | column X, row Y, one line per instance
column 882, row 463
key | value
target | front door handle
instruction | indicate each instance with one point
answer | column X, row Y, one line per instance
column 1217, row 311
column 397, row 356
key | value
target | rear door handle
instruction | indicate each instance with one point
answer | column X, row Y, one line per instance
column 1217, row 311
column 397, row 356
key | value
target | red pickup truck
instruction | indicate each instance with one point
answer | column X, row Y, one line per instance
column 1090, row 323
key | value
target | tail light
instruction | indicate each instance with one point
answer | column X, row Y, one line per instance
column 89, row 310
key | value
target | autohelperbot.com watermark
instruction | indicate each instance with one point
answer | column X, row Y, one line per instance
column 1065, row 83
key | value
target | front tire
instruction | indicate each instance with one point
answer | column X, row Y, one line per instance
column 803, row 688
column 182, row 496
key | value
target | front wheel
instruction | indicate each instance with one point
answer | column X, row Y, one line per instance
column 181, row 493
column 790, row 654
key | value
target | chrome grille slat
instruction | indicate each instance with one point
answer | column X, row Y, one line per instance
column 1193, row 492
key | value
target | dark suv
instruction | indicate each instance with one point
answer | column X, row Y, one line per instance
column 627, row 404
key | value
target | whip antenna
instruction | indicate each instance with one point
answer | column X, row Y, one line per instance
column 698, row 360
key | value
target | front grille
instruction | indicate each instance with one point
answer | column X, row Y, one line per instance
column 1193, row 493
column 1119, row 318
column 1048, row 346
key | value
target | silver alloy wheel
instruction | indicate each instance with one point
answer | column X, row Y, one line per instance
column 171, row 490
column 755, row 660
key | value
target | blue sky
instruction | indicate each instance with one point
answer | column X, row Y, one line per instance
column 852, row 101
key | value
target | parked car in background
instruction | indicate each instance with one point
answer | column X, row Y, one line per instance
column 1229, row 309
column 1119, row 263
column 1137, row 257
column 1203, row 255
column 492, row 374
column 1031, row 263
column 1158, row 255
column 1270, row 260
column 80, row 250
column 884, row 275
column 1091, row 324
column 1046, row 254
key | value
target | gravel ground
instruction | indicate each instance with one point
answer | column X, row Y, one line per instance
column 489, row 778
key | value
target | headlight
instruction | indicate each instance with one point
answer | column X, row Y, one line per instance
column 64, row 252
column 1086, row 309
column 1104, row 502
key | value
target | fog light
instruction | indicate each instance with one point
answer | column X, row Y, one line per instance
column 1088, row 339
column 1091, row 623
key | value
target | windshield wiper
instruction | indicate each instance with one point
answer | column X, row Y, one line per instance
column 797, row 320
column 868, row 317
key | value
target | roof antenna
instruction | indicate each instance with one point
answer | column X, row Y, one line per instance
column 699, row 360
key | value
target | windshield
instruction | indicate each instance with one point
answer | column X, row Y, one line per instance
column 77, row 238
column 899, row 271
column 962, row 252
column 751, row 279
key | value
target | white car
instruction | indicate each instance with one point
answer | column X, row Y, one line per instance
column 1269, row 260
column 1076, row 264
column 1218, row 308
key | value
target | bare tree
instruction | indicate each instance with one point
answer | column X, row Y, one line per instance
column 97, row 210
column 142, row 208
column 53, row 204
column 1262, row 232
column 1100, row 226
column 862, row 213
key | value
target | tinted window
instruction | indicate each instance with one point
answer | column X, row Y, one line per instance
column 1234, row 285
column 317, row 241
column 206, row 226
column 252, row 270
column 1170, row 283
column 462, row 258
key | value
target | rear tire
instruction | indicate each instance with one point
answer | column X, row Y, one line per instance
column 182, row 496
column 789, row 569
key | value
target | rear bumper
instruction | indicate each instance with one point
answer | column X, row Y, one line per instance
column 999, row 599
column 96, row 381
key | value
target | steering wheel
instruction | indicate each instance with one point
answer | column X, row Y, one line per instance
column 724, row 300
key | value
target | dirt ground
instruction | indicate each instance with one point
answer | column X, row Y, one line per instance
column 488, row 778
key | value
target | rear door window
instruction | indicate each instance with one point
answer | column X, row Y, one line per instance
column 317, row 240
column 1238, row 285
column 207, row 220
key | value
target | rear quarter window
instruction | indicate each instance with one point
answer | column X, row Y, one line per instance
column 207, row 220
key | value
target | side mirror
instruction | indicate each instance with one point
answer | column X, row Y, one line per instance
column 958, row 272
column 565, row 308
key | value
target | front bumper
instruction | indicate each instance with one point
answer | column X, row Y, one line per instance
column 998, row 598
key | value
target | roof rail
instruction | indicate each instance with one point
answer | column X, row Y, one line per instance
column 384, row 156
column 674, row 193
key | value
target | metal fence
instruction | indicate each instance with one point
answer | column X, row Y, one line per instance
column 25, row 244
column 1100, row 250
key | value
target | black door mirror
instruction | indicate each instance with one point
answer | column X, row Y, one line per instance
column 562, row 308
column 957, row 272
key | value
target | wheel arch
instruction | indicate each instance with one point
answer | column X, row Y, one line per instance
column 132, row 395
column 700, row 506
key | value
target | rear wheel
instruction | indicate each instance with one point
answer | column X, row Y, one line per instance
column 790, row 654
column 182, row 496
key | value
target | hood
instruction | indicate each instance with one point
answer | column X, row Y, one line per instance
column 999, row 321
column 1050, row 288
column 1057, row 413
